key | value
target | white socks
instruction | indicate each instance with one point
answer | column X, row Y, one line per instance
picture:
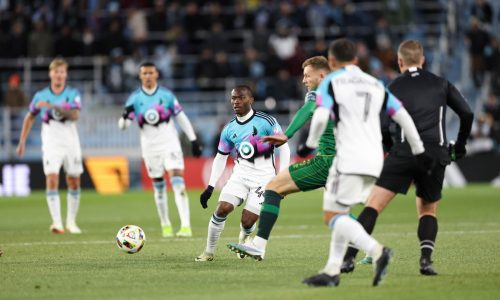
column 54, row 204
column 73, row 200
column 181, row 200
column 244, row 233
column 346, row 229
column 160, row 194
column 215, row 228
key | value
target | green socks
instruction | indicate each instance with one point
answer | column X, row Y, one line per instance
column 269, row 213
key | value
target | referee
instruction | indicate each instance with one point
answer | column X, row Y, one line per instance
column 426, row 98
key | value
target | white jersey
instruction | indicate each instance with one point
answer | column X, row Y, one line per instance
column 357, row 99
column 154, row 113
column 159, row 139
column 59, row 135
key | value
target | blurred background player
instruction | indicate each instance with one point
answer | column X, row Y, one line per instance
column 304, row 176
column 59, row 108
column 154, row 107
column 426, row 97
column 356, row 99
column 253, row 169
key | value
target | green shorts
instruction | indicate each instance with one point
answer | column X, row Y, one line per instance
column 312, row 173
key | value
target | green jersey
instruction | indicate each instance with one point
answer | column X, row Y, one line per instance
column 304, row 114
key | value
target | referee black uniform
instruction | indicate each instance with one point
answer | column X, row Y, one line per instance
column 426, row 97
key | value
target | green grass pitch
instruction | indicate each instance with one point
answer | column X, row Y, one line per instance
column 39, row 265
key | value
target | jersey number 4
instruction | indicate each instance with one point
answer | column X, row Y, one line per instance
column 368, row 100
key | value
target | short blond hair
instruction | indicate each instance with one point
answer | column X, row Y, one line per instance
column 411, row 52
column 58, row 62
column 317, row 62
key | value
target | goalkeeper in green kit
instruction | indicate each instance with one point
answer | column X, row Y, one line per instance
column 304, row 176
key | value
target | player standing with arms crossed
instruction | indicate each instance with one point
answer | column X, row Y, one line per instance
column 59, row 108
column 304, row 176
column 253, row 169
column 154, row 107
column 426, row 97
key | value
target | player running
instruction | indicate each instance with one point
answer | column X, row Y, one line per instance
column 59, row 108
column 254, row 167
column 356, row 99
column 154, row 107
column 427, row 97
column 304, row 176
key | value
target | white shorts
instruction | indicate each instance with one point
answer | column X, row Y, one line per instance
column 157, row 164
column 344, row 190
column 239, row 189
column 71, row 162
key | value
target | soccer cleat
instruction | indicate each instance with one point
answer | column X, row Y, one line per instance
column 426, row 267
column 322, row 279
column 380, row 266
column 242, row 239
column 348, row 265
column 166, row 231
column 184, row 232
column 247, row 249
column 73, row 228
column 367, row 260
column 56, row 228
column 205, row 257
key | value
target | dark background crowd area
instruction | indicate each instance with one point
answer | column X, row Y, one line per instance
column 202, row 44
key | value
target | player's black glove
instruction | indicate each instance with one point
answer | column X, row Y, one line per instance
column 303, row 150
column 457, row 150
column 425, row 163
column 196, row 148
column 207, row 193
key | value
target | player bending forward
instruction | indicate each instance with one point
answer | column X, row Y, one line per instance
column 154, row 107
column 253, row 168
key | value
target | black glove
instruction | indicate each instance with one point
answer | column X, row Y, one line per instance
column 425, row 163
column 303, row 150
column 459, row 150
column 207, row 193
column 196, row 148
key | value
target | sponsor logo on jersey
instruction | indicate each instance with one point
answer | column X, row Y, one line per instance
column 152, row 116
column 246, row 150
column 56, row 115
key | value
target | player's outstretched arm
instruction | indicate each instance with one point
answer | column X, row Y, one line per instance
column 218, row 167
column 303, row 115
column 28, row 121
column 276, row 140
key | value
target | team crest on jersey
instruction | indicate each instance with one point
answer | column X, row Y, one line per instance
column 152, row 116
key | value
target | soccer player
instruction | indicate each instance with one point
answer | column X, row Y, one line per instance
column 355, row 99
column 154, row 107
column 426, row 96
column 304, row 176
column 59, row 108
column 253, row 169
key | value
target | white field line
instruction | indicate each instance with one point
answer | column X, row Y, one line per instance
column 288, row 236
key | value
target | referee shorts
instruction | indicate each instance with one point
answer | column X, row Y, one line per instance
column 400, row 170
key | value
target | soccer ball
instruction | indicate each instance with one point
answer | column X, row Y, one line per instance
column 130, row 238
